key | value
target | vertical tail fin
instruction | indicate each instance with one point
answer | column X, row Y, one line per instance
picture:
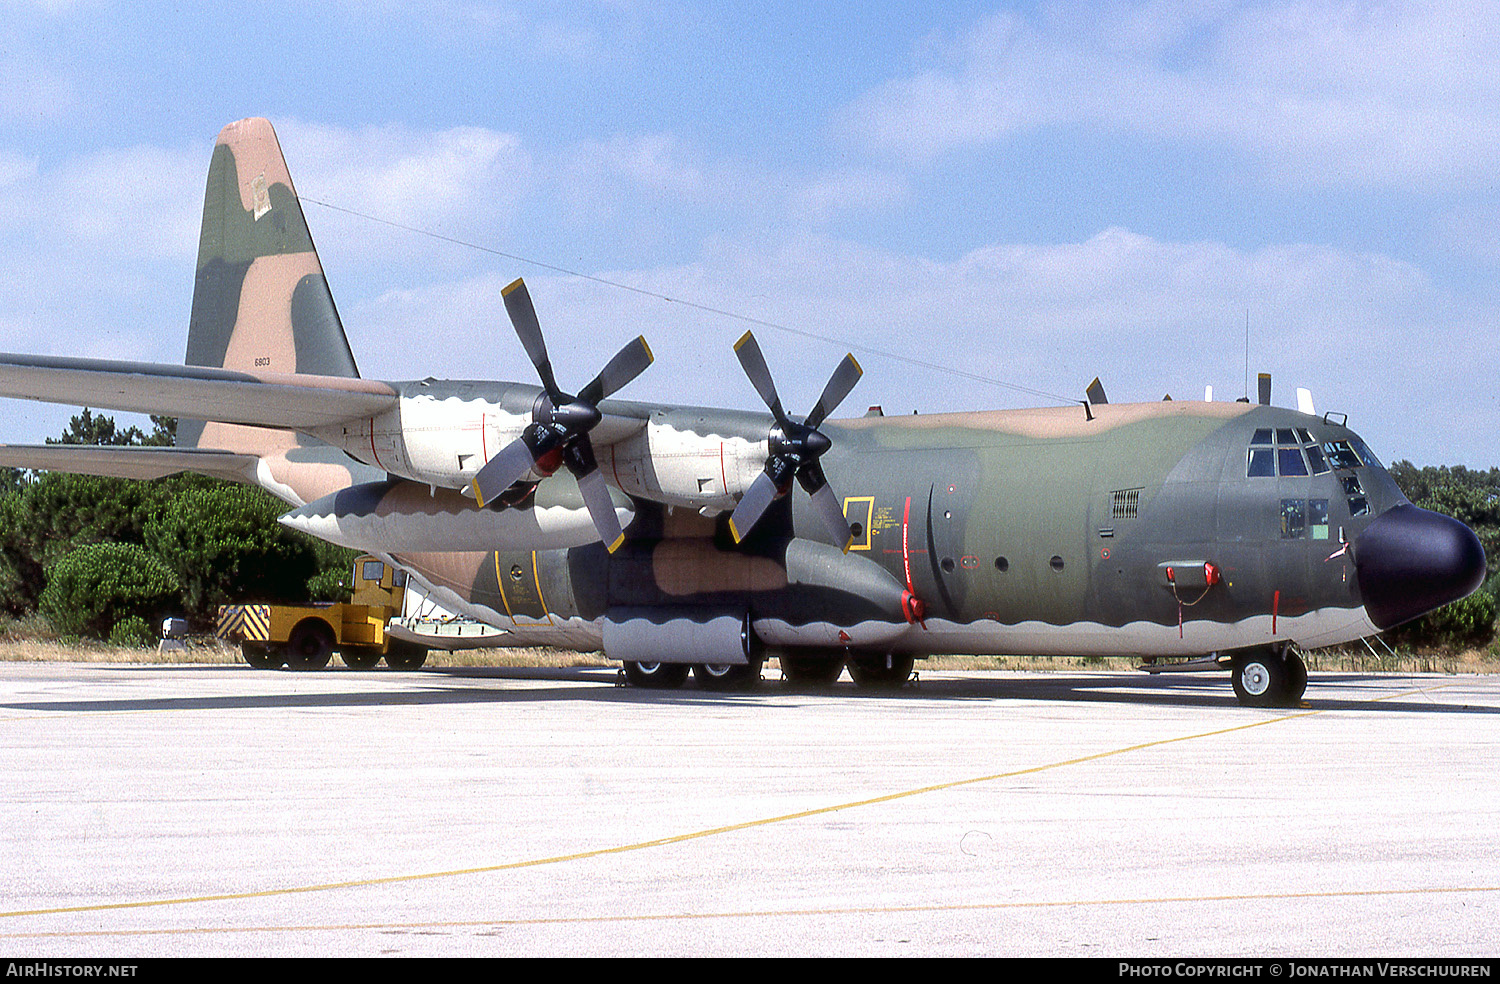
column 260, row 301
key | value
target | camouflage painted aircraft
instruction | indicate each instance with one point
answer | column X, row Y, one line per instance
column 670, row 537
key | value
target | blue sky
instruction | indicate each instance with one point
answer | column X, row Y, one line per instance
column 1028, row 194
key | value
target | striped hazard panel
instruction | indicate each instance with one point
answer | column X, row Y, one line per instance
column 248, row 622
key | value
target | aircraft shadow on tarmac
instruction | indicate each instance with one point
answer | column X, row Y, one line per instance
column 439, row 686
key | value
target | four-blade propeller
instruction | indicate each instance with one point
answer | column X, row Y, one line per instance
column 795, row 447
column 560, row 423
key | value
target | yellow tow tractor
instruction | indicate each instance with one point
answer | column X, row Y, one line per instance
column 305, row 637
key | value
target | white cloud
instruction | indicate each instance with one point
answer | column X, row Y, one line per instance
column 1317, row 90
column 1149, row 316
column 416, row 176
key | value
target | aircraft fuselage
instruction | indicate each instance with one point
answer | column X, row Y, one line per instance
column 1163, row 529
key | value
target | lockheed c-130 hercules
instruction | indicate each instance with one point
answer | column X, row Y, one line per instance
column 670, row 537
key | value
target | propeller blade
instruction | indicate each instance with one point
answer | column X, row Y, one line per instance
column 601, row 509
column 826, row 504
column 1263, row 383
column 503, row 470
column 757, row 498
column 839, row 384
column 523, row 316
column 754, row 364
column 627, row 364
column 1095, row 392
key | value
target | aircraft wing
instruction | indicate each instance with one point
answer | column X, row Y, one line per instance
column 289, row 401
column 127, row 462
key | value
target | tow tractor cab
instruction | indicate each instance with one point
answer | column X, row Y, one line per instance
column 1313, row 528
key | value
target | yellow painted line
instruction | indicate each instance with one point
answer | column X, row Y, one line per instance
column 536, row 578
column 500, row 583
column 768, row 913
column 644, row 845
column 681, row 838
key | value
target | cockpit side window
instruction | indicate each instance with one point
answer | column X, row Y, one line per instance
column 1293, row 518
column 1316, row 459
column 1262, row 463
column 1341, row 454
column 1363, row 450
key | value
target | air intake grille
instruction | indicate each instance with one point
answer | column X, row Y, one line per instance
column 1125, row 504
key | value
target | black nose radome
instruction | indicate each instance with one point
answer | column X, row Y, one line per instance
column 1411, row 561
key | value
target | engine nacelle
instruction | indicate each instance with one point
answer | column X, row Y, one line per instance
column 404, row 517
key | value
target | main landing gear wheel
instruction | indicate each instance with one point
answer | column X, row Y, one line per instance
column 811, row 671
column 1268, row 678
column 656, row 676
column 885, row 672
column 727, row 676
column 310, row 646
column 403, row 655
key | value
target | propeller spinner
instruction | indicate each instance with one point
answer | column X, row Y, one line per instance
column 795, row 447
column 560, row 423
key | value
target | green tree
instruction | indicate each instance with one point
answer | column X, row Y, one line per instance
column 224, row 544
column 1473, row 498
column 58, row 512
column 91, row 589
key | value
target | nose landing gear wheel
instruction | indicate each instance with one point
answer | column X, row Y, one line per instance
column 1268, row 678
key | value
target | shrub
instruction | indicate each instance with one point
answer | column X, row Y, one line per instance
column 95, row 586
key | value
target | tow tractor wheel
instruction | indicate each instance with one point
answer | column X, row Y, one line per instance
column 888, row 671
column 403, row 655
column 727, row 676
column 310, row 646
column 656, row 676
column 260, row 656
column 358, row 659
column 1267, row 678
column 812, row 671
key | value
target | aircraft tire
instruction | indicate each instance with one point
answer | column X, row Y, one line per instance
column 812, row 671
column 1296, row 678
column 727, row 676
column 261, row 656
column 882, row 672
column 359, row 659
column 310, row 645
column 402, row 655
column 1268, row 679
column 656, row 676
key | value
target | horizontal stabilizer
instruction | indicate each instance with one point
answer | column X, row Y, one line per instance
column 284, row 400
column 128, row 462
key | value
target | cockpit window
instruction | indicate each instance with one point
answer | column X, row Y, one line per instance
column 1351, row 485
column 1364, row 452
column 1262, row 436
column 1289, row 461
column 1316, row 459
column 1293, row 518
column 1341, row 454
column 1285, row 436
column 1317, row 519
column 1262, row 463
